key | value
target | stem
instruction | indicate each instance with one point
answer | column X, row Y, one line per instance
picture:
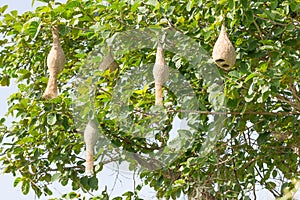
column 237, row 113
column 258, row 29
column 51, row 89
column 158, row 94
column 277, row 23
column 89, row 160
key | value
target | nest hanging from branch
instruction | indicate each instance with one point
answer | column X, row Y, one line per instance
column 90, row 139
column 223, row 51
column 55, row 62
column 160, row 73
column 108, row 63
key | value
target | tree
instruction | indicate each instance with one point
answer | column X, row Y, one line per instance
column 260, row 120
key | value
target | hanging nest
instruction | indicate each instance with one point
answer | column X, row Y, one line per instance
column 90, row 139
column 160, row 73
column 223, row 51
column 55, row 61
column 108, row 63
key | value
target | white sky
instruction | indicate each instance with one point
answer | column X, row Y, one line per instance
column 6, row 181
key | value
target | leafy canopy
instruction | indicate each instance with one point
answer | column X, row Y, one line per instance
column 261, row 130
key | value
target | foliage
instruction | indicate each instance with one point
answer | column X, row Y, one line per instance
column 261, row 131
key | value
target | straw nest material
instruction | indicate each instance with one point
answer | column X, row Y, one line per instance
column 90, row 139
column 223, row 51
column 108, row 63
column 55, row 61
column 160, row 73
column 160, row 69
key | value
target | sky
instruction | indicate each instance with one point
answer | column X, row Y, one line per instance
column 6, row 181
column 124, row 182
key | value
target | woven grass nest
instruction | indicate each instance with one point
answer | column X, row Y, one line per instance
column 223, row 52
column 90, row 139
column 108, row 63
column 55, row 62
column 160, row 73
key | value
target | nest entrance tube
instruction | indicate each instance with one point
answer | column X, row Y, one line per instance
column 90, row 139
column 55, row 62
column 223, row 51
column 160, row 73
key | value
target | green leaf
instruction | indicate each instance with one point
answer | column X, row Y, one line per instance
column 270, row 185
column 25, row 187
column 36, row 30
column 250, row 76
column 128, row 194
column 44, row 1
column 32, row 26
column 274, row 4
column 72, row 195
column 84, row 181
column 23, row 74
column 5, row 81
column 14, row 13
column 152, row 2
column 55, row 176
column 93, row 182
column 17, row 181
column 72, row 5
column 47, row 191
column 51, row 119
column 270, row 14
column 2, row 120
column 190, row 5
column 3, row 8
column 63, row 29
column 295, row 5
column 263, row 138
column 249, row 16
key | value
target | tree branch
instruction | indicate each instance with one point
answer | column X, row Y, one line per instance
column 286, row 100
column 258, row 29
column 277, row 23
column 238, row 113
column 294, row 92
column 272, row 191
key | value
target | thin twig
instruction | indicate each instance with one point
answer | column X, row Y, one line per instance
column 237, row 113
column 134, row 181
column 78, row 28
column 171, row 25
column 272, row 190
column 67, row 168
column 286, row 100
column 225, row 161
column 254, row 193
column 105, row 91
column 234, row 167
column 115, row 181
column 258, row 29
column 277, row 23
column 294, row 92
